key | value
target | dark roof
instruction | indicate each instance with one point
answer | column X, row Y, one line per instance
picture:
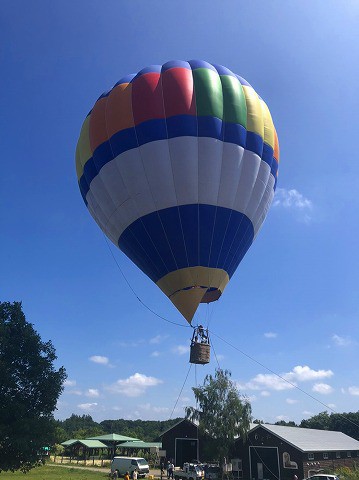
column 178, row 423
column 311, row 440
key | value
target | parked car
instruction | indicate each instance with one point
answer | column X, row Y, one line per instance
column 128, row 464
column 212, row 471
column 323, row 476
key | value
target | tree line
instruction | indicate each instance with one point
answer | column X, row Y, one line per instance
column 83, row 426
column 347, row 423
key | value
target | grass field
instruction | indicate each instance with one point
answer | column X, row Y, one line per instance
column 56, row 473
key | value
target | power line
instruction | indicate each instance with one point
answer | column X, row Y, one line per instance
column 223, row 340
column 284, row 379
column 180, row 393
column 136, row 295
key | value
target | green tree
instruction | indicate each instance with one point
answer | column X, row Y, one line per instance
column 29, row 389
column 340, row 422
column 319, row 422
column 283, row 423
column 222, row 413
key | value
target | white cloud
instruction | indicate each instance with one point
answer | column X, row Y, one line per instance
column 265, row 393
column 87, row 406
column 304, row 374
column 341, row 341
column 185, row 399
column 156, row 353
column 135, row 385
column 99, row 359
column 158, row 339
column 294, row 201
column 267, row 381
column 322, row 388
column 290, row 199
column 286, row 380
column 70, row 383
column 180, row 349
column 271, row 335
column 282, row 417
column 307, row 413
column 353, row 391
column 291, row 401
column 92, row 392
column 251, row 398
column 74, row 392
column 151, row 408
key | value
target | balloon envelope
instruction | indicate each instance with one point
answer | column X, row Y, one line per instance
column 178, row 166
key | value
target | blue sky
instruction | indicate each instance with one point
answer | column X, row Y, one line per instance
column 292, row 306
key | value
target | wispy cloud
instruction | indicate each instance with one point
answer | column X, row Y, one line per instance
column 282, row 417
column 353, row 391
column 322, row 388
column 180, row 349
column 293, row 200
column 291, row 401
column 157, row 339
column 88, row 407
column 74, row 392
column 134, row 386
column 99, row 359
column 271, row 335
column 69, row 383
column 152, row 408
column 155, row 353
column 92, row 392
column 265, row 393
column 306, row 413
column 341, row 341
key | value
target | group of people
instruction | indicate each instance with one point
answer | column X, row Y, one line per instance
column 134, row 475
column 169, row 467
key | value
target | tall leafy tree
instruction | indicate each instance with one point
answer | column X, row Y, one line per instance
column 29, row 389
column 222, row 414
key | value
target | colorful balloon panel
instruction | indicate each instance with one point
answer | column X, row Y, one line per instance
column 178, row 166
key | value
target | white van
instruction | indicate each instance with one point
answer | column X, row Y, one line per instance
column 128, row 464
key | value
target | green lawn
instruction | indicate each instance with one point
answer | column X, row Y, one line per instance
column 56, row 473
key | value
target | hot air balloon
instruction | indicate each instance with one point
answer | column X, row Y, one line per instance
column 178, row 166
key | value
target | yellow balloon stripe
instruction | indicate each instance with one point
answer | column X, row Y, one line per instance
column 186, row 300
column 255, row 122
column 268, row 125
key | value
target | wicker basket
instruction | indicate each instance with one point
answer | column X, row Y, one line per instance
column 200, row 353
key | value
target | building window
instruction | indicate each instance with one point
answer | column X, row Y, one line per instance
column 325, row 456
column 337, row 454
column 349, row 454
column 310, row 456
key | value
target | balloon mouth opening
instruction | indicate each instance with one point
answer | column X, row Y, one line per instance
column 211, row 295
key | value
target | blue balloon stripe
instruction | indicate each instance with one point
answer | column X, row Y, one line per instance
column 209, row 243
column 173, row 127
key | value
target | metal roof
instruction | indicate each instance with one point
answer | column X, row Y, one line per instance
column 87, row 443
column 113, row 437
column 141, row 444
column 311, row 440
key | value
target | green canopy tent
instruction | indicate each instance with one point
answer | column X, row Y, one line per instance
column 88, row 446
column 112, row 440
